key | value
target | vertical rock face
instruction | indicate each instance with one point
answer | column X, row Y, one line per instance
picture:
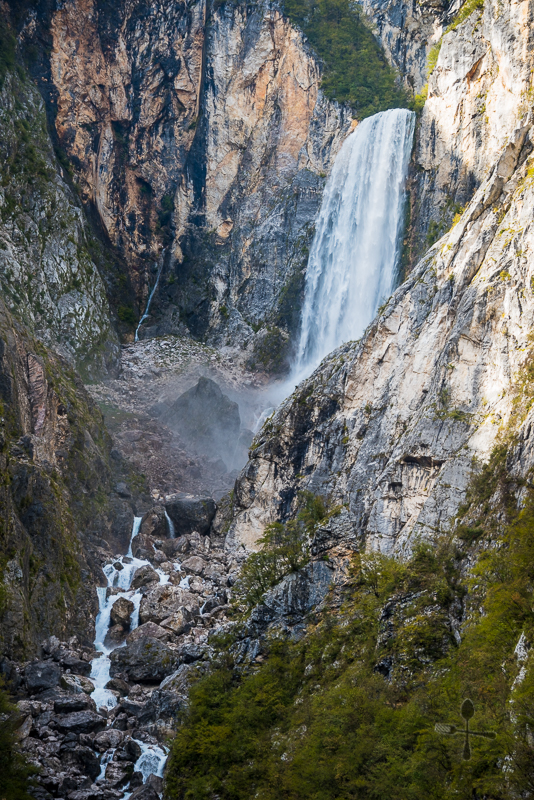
column 47, row 274
column 57, row 503
column 391, row 425
column 202, row 136
column 406, row 31
column 477, row 95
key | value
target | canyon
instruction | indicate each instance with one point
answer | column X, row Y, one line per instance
column 166, row 174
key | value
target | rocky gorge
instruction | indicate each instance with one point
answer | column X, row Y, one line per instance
column 215, row 583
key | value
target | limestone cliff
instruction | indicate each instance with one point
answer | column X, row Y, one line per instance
column 200, row 138
column 47, row 273
column 392, row 425
column 478, row 92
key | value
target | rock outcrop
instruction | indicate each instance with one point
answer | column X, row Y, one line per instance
column 478, row 93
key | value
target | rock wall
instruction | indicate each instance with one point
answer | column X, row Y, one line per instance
column 393, row 425
column 200, row 139
column 63, row 496
column 478, row 92
column 48, row 276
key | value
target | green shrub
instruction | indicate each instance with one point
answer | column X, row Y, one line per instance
column 14, row 770
column 126, row 314
column 284, row 549
column 355, row 68
column 7, row 49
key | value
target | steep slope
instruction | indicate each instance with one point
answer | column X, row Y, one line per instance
column 62, row 496
column 392, row 425
column 478, row 91
column 47, row 273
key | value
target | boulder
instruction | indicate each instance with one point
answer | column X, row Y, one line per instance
column 194, row 565
column 144, row 792
column 118, row 685
column 206, row 418
column 77, row 683
column 76, row 665
column 147, row 631
column 142, row 546
column 80, row 722
column 41, row 675
column 73, row 702
column 179, row 622
column 143, row 576
column 121, row 612
column 190, row 653
column 130, row 751
column 115, row 635
column 118, row 774
column 190, row 513
column 154, row 523
column 146, row 660
column 108, row 739
column 163, row 601
column 171, row 547
column 178, row 682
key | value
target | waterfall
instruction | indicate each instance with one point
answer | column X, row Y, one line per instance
column 354, row 259
column 150, row 296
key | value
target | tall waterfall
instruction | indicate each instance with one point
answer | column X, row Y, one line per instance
column 354, row 257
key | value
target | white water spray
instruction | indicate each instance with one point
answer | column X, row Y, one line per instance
column 354, row 258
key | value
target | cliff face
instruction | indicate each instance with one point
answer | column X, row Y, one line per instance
column 47, row 273
column 393, row 425
column 202, row 140
column 477, row 94
column 58, row 501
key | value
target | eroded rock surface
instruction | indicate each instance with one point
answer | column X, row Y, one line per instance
column 390, row 425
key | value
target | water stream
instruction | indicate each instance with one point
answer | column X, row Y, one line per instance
column 354, row 259
column 119, row 575
column 150, row 296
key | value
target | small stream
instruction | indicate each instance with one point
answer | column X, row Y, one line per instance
column 152, row 759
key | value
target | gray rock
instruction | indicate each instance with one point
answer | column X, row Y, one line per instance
column 207, row 419
column 171, row 547
column 179, row 622
column 190, row 513
column 162, row 601
column 149, row 630
column 69, row 703
column 121, row 611
column 118, row 685
column 41, row 675
column 80, row 722
column 195, row 565
column 144, row 660
column 143, row 576
column 144, row 792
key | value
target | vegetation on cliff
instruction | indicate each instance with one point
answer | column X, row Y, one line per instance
column 355, row 68
column 349, row 711
column 14, row 770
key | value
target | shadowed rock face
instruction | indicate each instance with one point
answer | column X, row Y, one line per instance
column 57, row 495
column 207, row 420
column 199, row 130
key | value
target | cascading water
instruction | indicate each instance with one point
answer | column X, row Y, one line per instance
column 354, row 258
column 152, row 759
